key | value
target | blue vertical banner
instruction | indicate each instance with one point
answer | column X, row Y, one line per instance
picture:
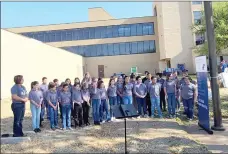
column 203, row 106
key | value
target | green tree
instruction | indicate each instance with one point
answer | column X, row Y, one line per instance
column 220, row 17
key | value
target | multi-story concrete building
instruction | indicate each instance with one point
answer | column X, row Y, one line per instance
column 111, row 45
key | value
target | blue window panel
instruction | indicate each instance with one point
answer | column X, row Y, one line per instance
column 110, row 50
column 69, row 36
column 80, row 34
column 97, row 33
column 122, row 49
column 99, row 50
column 35, row 36
column 152, row 46
column 121, row 31
column 75, row 34
column 86, row 33
column 116, row 49
column 127, row 48
column 93, row 51
column 133, row 30
column 40, row 36
column 63, row 35
column 140, row 47
column 86, row 51
column 91, row 33
column 196, row 2
column 46, row 37
column 58, row 36
column 105, row 49
column 151, row 29
column 127, row 30
column 30, row 35
column 146, row 46
column 139, row 29
column 80, row 50
column 109, row 31
column 134, row 48
column 147, row 29
column 115, row 31
column 103, row 32
column 197, row 17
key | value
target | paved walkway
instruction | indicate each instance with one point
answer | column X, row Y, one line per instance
column 216, row 143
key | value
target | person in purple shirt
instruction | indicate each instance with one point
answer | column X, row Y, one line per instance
column 77, row 105
column 68, row 81
column 127, row 91
column 148, row 102
column 19, row 98
column 56, row 82
column 65, row 101
column 154, row 91
column 134, row 82
column 170, row 92
column 140, row 91
column 77, row 80
column 96, row 102
column 59, row 90
column 86, row 103
column 112, row 95
column 52, row 99
column 44, row 88
column 104, row 113
column 36, row 99
column 119, row 91
column 161, row 81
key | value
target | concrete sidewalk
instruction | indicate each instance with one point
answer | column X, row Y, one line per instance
column 216, row 143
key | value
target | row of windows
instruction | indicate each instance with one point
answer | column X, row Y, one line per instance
column 114, row 31
column 196, row 2
column 114, row 49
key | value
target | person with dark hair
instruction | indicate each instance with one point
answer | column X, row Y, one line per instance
column 100, row 79
column 77, row 105
column 112, row 95
column 134, row 82
column 65, row 101
column 70, row 87
column 86, row 103
column 154, row 90
column 104, row 104
column 52, row 99
column 87, row 78
column 161, row 81
column 170, row 92
column 182, row 82
column 96, row 102
column 59, row 89
column 127, row 91
column 140, row 91
column 188, row 96
column 56, row 82
column 148, row 102
column 19, row 98
column 175, row 77
column 145, row 78
column 77, row 80
column 119, row 90
column 44, row 88
column 36, row 99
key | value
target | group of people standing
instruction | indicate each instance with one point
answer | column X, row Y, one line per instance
column 74, row 101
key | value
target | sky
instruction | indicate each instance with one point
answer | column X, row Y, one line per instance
column 20, row 14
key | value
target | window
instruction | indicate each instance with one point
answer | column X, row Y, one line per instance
column 109, row 32
column 41, row 36
column 115, row 31
column 122, row 48
column 91, row 33
column 197, row 17
column 46, row 37
column 134, row 48
column 146, row 28
column 58, row 36
column 63, row 35
column 200, row 39
column 127, row 30
column 116, row 49
column 92, row 50
column 104, row 49
column 86, row 51
column 133, row 30
column 196, row 2
column 68, row 36
column 140, row 47
column 97, row 33
column 99, row 49
column 152, row 46
column 127, row 48
column 110, row 50
column 86, row 33
column 146, row 46
column 139, row 29
column 76, row 34
column 103, row 32
column 52, row 37
column 121, row 31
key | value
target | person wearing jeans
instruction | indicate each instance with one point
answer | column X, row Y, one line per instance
column 96, row 102
column 161, row 81
column 154, row 91
column 181, row 83
column 140, row 91
column 36, row 98
column 77, row 105
column 104, row 103
column 170, row 92
column 148, row 102
column 188, row 95
column 127, row 91
column 86, row 103
column 52, row 99
column 112, row 95
column 65, row 101
column 19, row 98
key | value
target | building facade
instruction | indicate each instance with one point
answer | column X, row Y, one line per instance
column 110, row 45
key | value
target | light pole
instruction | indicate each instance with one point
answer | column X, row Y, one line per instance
column 213, row 67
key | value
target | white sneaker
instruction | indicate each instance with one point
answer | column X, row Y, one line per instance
column 145, row 116
column 138, row 117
